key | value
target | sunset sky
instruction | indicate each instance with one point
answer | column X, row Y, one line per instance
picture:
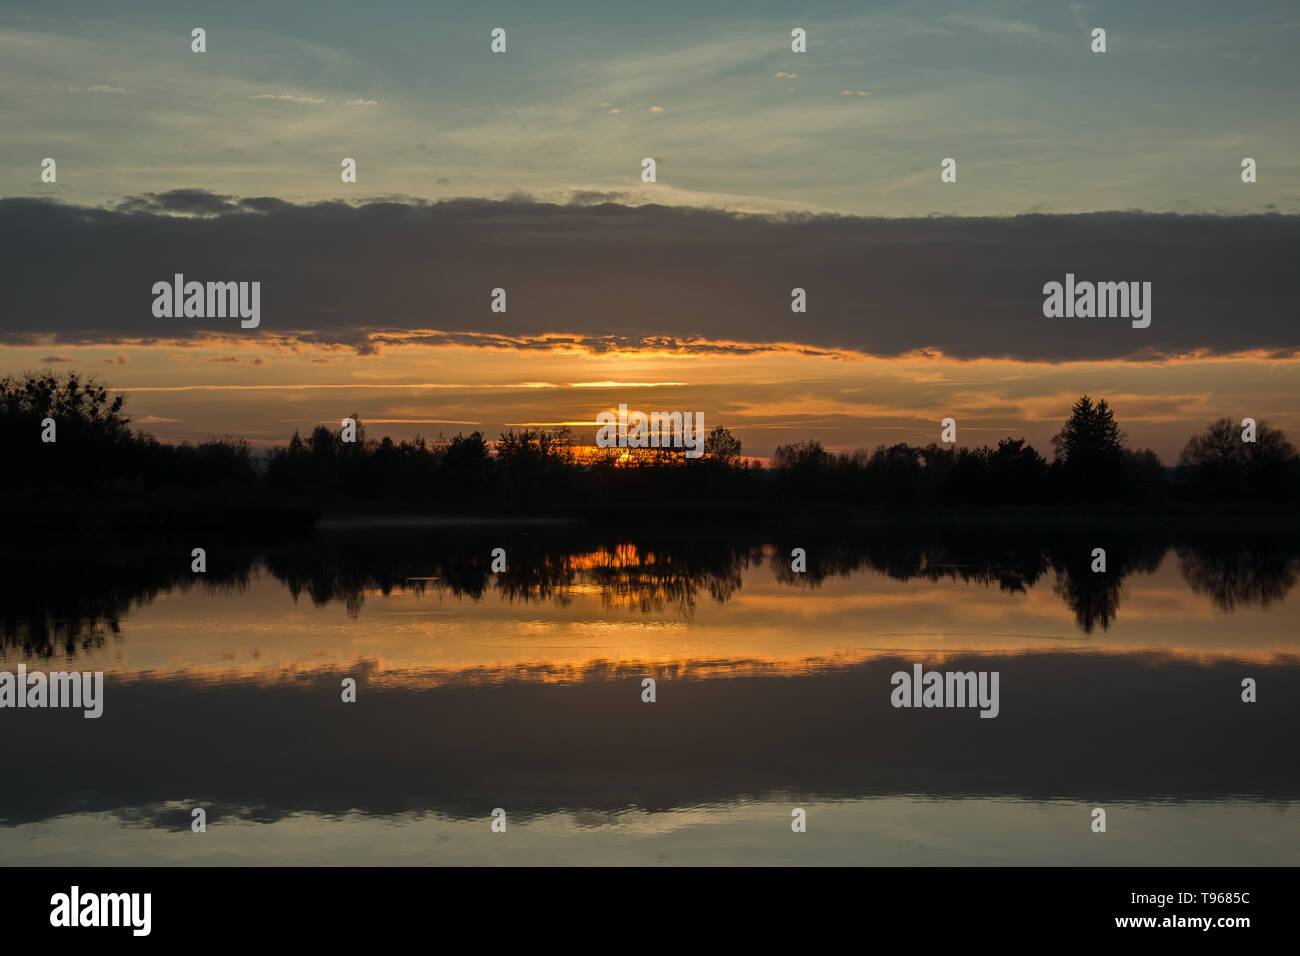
column 776, row 170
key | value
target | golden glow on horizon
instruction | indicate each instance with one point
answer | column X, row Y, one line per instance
column 846, row 401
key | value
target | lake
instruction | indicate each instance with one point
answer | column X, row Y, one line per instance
column 522, row 690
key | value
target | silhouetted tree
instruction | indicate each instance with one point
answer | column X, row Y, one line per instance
column 466, row 465
column 534, row 463
column 722, row 445
column 1089, row 449
column 1016, row 472
column 1222, row 464
column 85, row 407
column 893, row 474
column 801, row 456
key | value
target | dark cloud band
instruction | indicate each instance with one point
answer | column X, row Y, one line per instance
column 602, row 276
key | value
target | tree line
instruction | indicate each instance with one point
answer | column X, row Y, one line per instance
column 549, row 471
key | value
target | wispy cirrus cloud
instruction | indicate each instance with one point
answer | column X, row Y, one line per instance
column 99, row 88
column 288, row 97
column 296, row 93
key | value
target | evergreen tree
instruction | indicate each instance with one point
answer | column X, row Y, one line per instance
column 1089, row 449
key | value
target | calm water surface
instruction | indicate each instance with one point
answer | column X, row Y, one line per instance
column 523, row 691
